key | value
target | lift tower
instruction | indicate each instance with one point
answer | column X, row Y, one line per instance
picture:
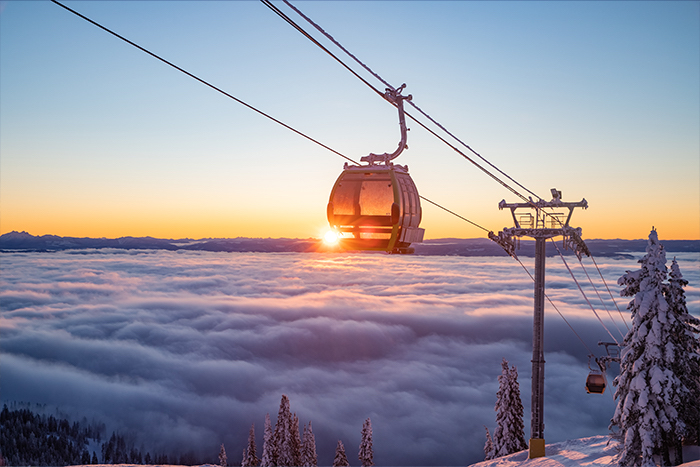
column 550, row 220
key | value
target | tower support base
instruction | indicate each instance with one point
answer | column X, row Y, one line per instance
column 536, row 448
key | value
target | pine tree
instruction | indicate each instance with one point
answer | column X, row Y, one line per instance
column 366, row 454
column 250, row 456
column 489, row 452
column 687, row 366
column 295, row 440
column 509, row 435
column 308, row 450
column 649, row 393
column 341, row 460
column 268, row 459
column 284, row 436
column 223, row 461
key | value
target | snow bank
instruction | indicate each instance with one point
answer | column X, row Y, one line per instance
column 593, row 451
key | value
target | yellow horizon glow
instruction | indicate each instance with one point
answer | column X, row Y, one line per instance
column 187, row 224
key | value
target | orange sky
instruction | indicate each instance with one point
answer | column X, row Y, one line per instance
column 101, row 140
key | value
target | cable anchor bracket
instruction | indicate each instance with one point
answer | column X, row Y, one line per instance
column 506, row 241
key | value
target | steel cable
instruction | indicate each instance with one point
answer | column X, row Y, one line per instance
column 363, row 65
column 609, row 292
column 555, row 307
column 206, row 83
column 582, row 292
column 240, row 101
column 601, row 299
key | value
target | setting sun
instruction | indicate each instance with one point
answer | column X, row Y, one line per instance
column 330, row 237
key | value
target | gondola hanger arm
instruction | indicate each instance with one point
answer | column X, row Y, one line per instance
column 394, row 96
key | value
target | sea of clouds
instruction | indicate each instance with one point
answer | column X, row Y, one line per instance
column 184, row 351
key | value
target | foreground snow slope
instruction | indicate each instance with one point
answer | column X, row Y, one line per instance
column 593, row 451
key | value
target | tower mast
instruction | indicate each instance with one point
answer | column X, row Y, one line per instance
column 540, row 226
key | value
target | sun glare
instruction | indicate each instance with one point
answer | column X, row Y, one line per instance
column 330, row 237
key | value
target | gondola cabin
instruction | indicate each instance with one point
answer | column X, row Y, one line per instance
column 595, row 383
column 375, row 207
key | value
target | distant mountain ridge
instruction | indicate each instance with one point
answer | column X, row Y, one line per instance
column 23, row 241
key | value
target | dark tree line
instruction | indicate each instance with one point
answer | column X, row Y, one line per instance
column 30, row 439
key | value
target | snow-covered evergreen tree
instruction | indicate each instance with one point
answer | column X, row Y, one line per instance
column 282, row 436
column 489, row 452
column 688, row 365
column 366, row 454
column 649, row 392
column 286, row 437
column 296, row 440
column 223, row 461
column 250, row 456
column 268, row 458
column 509, row 435
column 308, row 448
column 340, row 460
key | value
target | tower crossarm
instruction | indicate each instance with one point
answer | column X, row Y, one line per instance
column 540, row 207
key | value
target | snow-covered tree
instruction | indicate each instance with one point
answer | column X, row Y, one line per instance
column 268, row 457
column 282, row 436
column 649, row 391
column 250, row 456
column 340, row 460
column 223, row 461
column 489, row 451
column 509, row 435
column 296, row 440
column 366, row 454
column 688, row 365
column 308, row 448
column 286, row 436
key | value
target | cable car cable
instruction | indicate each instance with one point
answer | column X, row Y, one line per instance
column 340, row 46
column 206, row 83
column 595, row 289
column 312, row 139
column 600, row 273
column 239, row 100
column 332, row 39
column 611, row 294
column 455, row 214
column 308, row 36
column 555, row 307
column 281, row 14
column 378, row 77
column 582, row 292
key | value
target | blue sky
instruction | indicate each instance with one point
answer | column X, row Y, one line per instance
column 598, row 99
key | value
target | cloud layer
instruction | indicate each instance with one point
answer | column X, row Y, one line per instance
column 185, row 350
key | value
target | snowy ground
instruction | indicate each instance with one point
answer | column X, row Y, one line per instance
column 593, row 451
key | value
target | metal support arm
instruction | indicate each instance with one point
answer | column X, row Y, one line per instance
column 395, row 97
